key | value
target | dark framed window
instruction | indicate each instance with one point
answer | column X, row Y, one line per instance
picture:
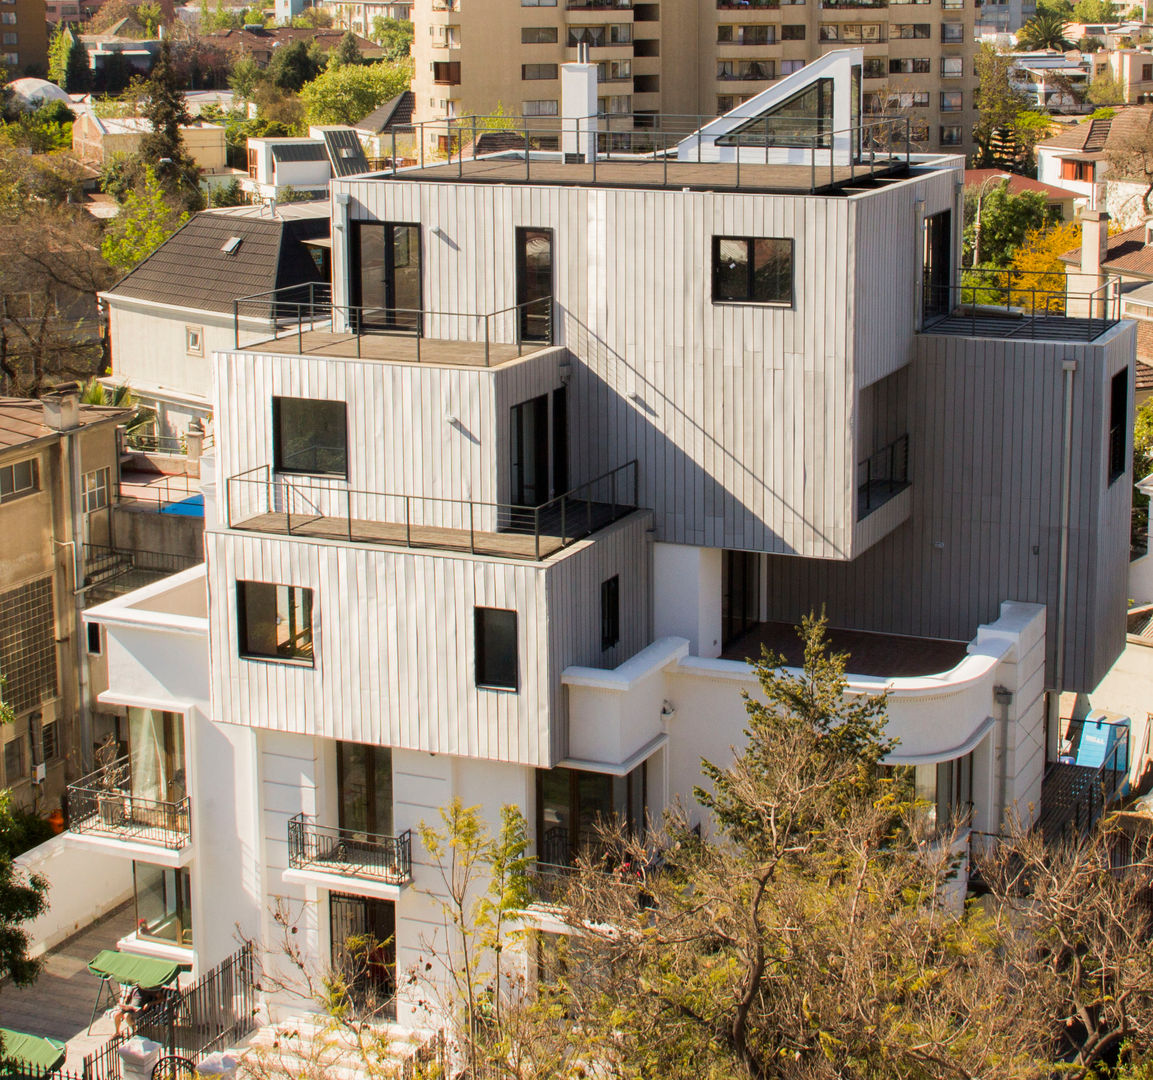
column 95, row 648
column 15, row 760
column 793, row 32
column 50, row 741
column 274, row 621
column 163, row 903
column 310, row 436
column 496, row 648
column 874, row 67
column 538, row 71
column 752, row 269
column 538, row 35
column 610, row 612
column 19, row 479
column 910, row 65
column 1118, row 424
column 573, row 804
column 953, row 33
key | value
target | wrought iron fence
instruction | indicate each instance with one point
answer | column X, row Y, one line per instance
column 104, row 803
column 346, row 851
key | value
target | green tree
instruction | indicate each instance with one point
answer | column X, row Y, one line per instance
column 22, row 898
column 1090, row 44
column 94, row 392
column 151, row 16
column 346, row 52
column 1005, row 221
column 230, row 194
column 998, row 102
column 1105, row 89
column 1044, row 31
column 244, row 76
column 394, row 36
column 1095, row 11
column 145, row 221
column 343, row 95
column 292, row 66
column 1064, row 8
column 313, row 18
column 67, row 60
column 162, row 147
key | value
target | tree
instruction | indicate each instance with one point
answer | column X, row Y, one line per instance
column 244, row 77
column 343, row 95
column 230, row 194
column 1095, row 11
column 394, row 36
column 145, row 221
column 346, row 52
column 1005, row 221
column 1130, row 157
column 292, row 66
column 162, row 147
column 313, row 18
column 1057, row 7
column 22, row 898
column 67, row 60
column 1044, row 31
column 1105, row 89
column 998, row 102
column 1037, row 268
column 1090, row 44
column 151, row 16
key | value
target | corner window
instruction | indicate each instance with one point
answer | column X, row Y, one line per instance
column 163, row 904
column 1118, row 424
column 274, row 621
column 610, row 612
column 194, row 340
column 752, row 269
column 310, row 436
column 20, row 479
column 496, row 648
column 95, row 490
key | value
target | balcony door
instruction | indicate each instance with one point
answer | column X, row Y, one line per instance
column 530, row 446
column 572, row 804
column 740, row 594
column 364, row 783
column 363, row 935
column 387, row 276
column 534, row 283
column 937, row 264
column 156, row 746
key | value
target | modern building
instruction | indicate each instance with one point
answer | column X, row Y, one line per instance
column 575, row 437
column 683, row 58
column 58, row 469
column 169, row 315
column 1004, row 17
column 23, row 38
column 295, row 167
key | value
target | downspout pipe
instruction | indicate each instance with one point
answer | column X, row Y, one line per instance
column 1069, row 368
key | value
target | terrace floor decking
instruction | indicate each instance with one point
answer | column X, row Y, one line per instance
column 393, row 348
column 883, row 655
column 1026, row 328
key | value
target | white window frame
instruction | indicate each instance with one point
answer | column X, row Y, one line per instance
column 94, row 493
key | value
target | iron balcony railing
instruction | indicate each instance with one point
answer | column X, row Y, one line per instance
column 349, row 853
column 288, row 314
column 992, row 302
column 261, row 500
column 882, row 475
column 105, row 804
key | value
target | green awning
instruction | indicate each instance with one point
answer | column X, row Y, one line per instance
column 34, row 1050
column 132, row 970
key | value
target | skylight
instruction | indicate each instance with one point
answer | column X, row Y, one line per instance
column 231, row 244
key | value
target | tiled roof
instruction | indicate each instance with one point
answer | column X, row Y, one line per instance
column 345, row 153
column 1017, row 183
column 22, row 420
column 263, row 41
column 191, row 270
column 1127, row 253
column 1144, row 375
column 1097, row 136
column 395, row 113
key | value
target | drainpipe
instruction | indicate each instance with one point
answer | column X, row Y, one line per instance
column 1069, row 367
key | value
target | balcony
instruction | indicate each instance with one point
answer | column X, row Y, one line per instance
column 599, row 5
column 105, row 805
column 384, row 861
column 303, row 320
column 882, row 476
column 1031, row 306
column 262, row 501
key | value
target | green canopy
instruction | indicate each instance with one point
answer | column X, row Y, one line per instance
column 132, row 970
column 34, row 1050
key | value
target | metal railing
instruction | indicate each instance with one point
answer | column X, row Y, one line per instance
column 1028, row 298
column 262, row 500
column 105, row 804
column 287, row 314
column 826, row 158
column 882, row 475
column 348, row 852
column 159, row 490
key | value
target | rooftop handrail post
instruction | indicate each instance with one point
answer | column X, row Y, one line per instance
column 394, row 151
column 236, row 323
column 419, row 335
column 486, row 362
column 474, row 136
column 348, row 511
column 766, row 127
column 812, row 167
column 420, row 141
column 563, row 516
column 407, row 523
column 299, row 330
column 738, row 149
column 536, row 531
column 460, row 151
column 527, row 167
column 472, row 527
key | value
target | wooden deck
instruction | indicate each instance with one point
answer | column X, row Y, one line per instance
column 883, row 655
column 1042, row 328
column 645, row 173
column 393, row 348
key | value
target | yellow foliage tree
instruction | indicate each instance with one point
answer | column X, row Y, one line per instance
column 1038, row 275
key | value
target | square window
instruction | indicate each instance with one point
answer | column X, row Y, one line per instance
column 274, row 621
column 752, row 269
column 194, row 340
column 163, row 904
column 610, row 612
column 496, row 648
column 953, row 33
column 310, row 436
column 15, row 761
column 951, row 135
column 952, row 67
column 19, row 479
column 95, row 489
column 793, row 33
column 950, row 101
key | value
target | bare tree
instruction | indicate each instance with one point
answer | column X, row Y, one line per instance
column 1130, row 154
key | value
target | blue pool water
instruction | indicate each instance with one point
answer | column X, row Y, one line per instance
column 193, row 506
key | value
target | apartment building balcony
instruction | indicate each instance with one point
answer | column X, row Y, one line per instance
column 126, row 815
column 323, row 855
column 303, row 320
column 599, row 5
column 260, row 500
column 1032, row 306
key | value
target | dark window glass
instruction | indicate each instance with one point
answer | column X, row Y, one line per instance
column 874, row 68
column 22, row 478
column 793, row 33
column 754, row 269
column 163, row 904
column 610, row 612
column 94, row 639
column 496, row 648
column 572, row 805
column 15, row 760
column 50, row 741
column 364, row 779
column 538, row 35
column 310, row 436
column 1118, row 417
column 275, row 621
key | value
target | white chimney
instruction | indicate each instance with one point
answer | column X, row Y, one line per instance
column 61, row 410
column 1094, row 240
column 578, row 107
column 1148, row 231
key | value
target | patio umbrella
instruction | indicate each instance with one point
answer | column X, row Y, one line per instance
column 34, row 1050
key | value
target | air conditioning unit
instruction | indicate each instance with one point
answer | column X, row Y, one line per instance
column 39, row 773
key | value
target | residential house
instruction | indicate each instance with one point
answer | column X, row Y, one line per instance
column 96, row 140
column 1051, row 80
column 168, row 316
column 260, row 42
column 1131, row 68
column 284, row 166
column 387, row 131
column 114, row 57
column 576, row 436
column 1075, row 157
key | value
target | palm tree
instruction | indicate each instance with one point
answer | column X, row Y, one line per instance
column 95, row 392
column 1046, row 30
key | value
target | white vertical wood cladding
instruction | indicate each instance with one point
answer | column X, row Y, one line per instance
column 742, row 416
column 394, row 648
column 985, row 460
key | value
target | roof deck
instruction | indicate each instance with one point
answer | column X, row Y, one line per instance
column 881, row 655
column 393, row 347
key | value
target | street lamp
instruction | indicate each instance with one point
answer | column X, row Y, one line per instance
column 999, row 178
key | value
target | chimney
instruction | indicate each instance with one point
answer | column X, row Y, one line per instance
column 1148, row 231
column 578, row 97
column 61, row 410
column 1094, row 240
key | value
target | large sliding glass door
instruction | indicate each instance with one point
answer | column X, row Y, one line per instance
column 572, row 804
column 386, row 275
